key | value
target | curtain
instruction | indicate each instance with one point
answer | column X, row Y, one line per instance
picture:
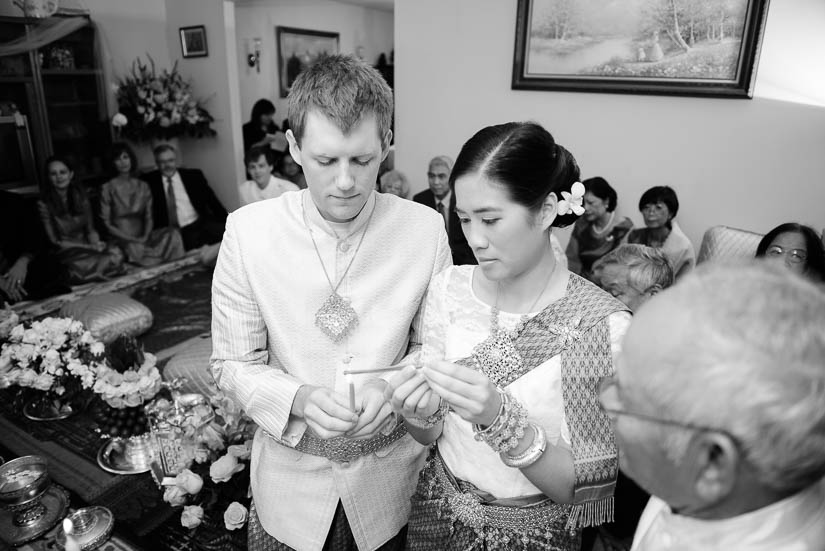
column 45, row 32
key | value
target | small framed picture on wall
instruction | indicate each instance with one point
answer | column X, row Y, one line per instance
column 193, row 41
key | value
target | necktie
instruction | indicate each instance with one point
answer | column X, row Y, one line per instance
column 171, row 206
column 440, row 207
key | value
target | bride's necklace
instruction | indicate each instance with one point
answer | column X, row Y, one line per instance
column 606, row 226
column 336, row 317
column 496, row 355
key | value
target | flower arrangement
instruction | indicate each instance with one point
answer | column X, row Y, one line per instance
column 158, row 106
column 55, row 355
column 127, row 380
column 214, row 492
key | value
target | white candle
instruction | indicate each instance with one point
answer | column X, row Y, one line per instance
column 351, row 392
column 71, row 542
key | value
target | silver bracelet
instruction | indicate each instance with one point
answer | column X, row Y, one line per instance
column 431, row 420
column 533, row 452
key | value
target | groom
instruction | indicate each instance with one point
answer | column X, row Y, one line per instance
column 311, row 285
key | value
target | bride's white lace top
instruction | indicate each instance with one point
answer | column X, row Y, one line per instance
column 455, row 320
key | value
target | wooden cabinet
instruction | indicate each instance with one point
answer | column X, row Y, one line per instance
column 60, row 90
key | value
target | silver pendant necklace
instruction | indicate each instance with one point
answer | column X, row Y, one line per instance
column 497, row 355
column 336, row 317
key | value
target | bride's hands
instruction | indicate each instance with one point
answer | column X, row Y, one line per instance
column 410, row 395
column 470, row 393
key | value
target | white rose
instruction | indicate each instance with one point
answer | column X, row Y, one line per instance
column 174, row 496
column 240, row 451
column 115, row 401
column 133, row 400
column 191, row 516
column 27, row 377
column 189, row 481
column 119, row 120
column 97, row 348
column 223, row 469
column 43, row 382
column 235, row 516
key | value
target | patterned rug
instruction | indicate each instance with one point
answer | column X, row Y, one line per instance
column 181, row 306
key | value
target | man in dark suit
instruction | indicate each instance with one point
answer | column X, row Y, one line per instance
column 440, row 197
column 182, row 198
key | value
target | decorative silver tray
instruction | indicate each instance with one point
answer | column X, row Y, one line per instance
column 92, row 526
column 55, row 500
column 131, row 455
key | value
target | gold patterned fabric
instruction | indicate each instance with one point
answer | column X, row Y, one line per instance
column 452, row 514
column 577, row 328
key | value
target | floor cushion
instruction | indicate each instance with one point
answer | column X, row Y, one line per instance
column 109, row 315
column 192, row 362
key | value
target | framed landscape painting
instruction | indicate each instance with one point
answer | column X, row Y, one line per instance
column 679, row 47
column 298, row 49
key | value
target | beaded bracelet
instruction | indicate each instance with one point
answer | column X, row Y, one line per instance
column 498, row 422
column 507, row 428
column 533, row 452
column 431, row 420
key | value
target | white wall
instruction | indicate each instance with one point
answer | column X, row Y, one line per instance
column 357, row 26
column 214, row 79
column 747, row 163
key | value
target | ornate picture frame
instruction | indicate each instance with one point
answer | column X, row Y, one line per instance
column 297, row 49
column 669, row 47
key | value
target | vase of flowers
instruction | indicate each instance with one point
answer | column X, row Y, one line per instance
column 158, row 105
column 128, row 380
column 213, row 492
column 56, row 360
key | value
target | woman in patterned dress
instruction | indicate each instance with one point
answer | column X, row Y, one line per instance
column 512, row 352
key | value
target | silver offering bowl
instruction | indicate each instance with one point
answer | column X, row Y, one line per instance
column 32, row 504
column 22, row 483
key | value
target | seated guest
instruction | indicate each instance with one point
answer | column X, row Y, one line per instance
column 288, row 169
column 259, row 163
column 126, row 210
column 261, row 128
column 633, row 273
column 66, row 215
column 796, row 247
column 659, row 206
column 27, row 269
column 597, row 232
column 183, row 199
column 394, row 182
column 719, row 418
column 439, row 196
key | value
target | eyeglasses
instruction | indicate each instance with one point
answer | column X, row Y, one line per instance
column 796, row 256
column 609, row 384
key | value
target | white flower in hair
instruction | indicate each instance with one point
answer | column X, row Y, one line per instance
column 572, row 200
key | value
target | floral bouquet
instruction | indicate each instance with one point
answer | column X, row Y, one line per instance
column 8, row 320
column 159, row 106
column 128, row 380
column 214, row 492
column 56, row 356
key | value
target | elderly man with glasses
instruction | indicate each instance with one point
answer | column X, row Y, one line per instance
column 718, row 403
